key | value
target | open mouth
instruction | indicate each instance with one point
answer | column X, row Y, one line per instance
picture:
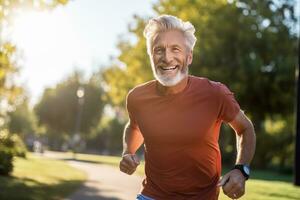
column 169, row 68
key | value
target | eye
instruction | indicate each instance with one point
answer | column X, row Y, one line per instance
column 158, row 50
column 176, row 49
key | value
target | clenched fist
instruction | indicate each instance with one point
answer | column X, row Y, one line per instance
column 129, row 163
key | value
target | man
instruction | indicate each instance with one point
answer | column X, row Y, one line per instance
column 178, row 118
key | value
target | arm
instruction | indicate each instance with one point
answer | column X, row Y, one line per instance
column 246, row 139
column 132, row 140
column 234, row 182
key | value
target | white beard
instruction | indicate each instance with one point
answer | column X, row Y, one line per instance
column 169, row 81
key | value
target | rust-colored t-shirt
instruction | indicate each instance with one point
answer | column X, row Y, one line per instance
column 181, row 132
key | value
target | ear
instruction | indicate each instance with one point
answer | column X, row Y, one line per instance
column 190, row 58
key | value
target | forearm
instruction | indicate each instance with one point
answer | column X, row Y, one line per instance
column 132, row 139
column 246, row 142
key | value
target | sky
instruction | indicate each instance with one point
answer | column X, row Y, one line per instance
column 81, row 35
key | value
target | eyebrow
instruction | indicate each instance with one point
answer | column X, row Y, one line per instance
column 162, row 46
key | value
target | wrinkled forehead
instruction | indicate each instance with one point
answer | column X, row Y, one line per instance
column 169, row 38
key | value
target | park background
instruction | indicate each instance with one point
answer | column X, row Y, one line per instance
column 66, row 91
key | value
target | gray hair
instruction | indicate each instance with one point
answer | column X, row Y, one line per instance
column 168, row 22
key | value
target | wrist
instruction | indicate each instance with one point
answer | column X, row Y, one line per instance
column 126, row 153
column 244, row 169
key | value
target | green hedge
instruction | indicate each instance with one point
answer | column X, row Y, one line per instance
column 10, row 145
column 6, row 161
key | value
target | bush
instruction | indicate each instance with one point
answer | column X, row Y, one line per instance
column 6, row 161
column 10, row 145
column 19, row 148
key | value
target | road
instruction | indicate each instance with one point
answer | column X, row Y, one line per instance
column 104, row 182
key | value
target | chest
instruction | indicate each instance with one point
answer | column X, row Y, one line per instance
column 181, row 120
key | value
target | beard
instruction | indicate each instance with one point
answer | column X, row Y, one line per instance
column 167, row 80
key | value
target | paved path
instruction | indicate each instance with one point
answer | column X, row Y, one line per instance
column 104, row 182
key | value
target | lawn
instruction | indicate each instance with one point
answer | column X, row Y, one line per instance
column 263, row 185
column 268, row 190
column 37, row 178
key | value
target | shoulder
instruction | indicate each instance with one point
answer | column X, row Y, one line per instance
column 209, row 87
column 140, row 90
column 206, row 84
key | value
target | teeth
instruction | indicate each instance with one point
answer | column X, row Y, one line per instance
column 169, row 68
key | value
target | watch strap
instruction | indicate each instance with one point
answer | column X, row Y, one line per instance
column 242, row 169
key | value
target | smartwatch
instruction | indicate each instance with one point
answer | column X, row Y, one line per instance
column 245, row 169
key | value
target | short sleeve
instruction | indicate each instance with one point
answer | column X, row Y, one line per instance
column 130, row 109
column 229, row 106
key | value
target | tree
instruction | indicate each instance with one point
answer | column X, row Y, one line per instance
column 248, row 45
column 58, row 108
column 9, row 92
column 22, row 120
column 107, row 136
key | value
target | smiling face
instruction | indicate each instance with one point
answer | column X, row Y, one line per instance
column 170, row 57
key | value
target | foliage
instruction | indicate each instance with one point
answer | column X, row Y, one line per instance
column 248, row 45
column 10, row 145
column 22, row 121
column 12, row 142
column 107, row 136
column 8, row 8
column 10, row 92
column 59, row 108
column 6, row 161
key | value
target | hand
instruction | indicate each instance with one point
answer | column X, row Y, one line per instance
column 233, row 184
column 129, row 163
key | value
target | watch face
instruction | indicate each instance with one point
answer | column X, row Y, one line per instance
column 246, row 169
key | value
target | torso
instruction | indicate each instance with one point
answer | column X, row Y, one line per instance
column 181, row 134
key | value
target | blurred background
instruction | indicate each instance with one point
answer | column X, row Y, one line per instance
column 66, row 67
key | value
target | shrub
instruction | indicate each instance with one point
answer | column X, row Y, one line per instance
column 10, row 145
column 6, row 161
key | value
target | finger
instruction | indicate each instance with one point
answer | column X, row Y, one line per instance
column 223, row 181
column 129, row 160
column 127, row 170
column 234, row 196
column 128, row 166
column 135, row 159
column 232, row 193
column 131, row 171
column 236, row 191
column 227, row 187
column 123, row 167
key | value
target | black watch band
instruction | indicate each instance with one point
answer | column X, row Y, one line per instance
column 245, row 169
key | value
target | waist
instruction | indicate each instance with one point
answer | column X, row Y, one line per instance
column 196, row 192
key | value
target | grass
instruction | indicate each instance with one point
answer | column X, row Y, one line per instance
column 268, row 190
column 100, row 159
column 263, row 185
column 37, row 178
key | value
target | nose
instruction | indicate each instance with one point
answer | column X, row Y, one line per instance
column 168, row 57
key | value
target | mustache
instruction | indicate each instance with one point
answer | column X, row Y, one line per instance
column 167, row 64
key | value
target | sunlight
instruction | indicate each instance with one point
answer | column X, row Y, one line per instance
column 50, row 46
column 47, row 33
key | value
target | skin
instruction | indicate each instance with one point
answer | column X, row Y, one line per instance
column 233, row 183
column 169, row 50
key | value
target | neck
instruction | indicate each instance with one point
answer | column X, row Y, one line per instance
column 165, row 90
